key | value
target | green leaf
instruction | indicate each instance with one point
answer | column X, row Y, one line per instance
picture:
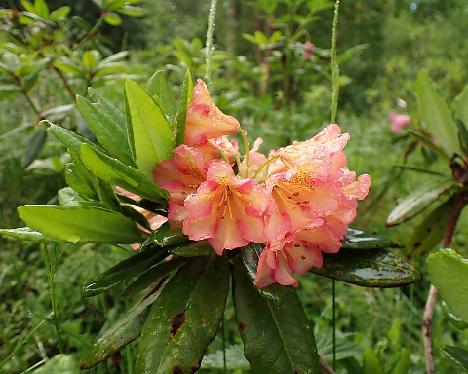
column 114, row 172
column 28, row 6
column 132, row 11
column 426, row 139
column 57, row 113
column 403, row 363
column 120, row 333
column 235, row 359
column 430, row 232
column 419, row 200
column 25, row 234
column 34, row 146
column 166, row 235
column 90, row 59
column 458, row 356
column 435, row 114
column 106, row 125
column 152, row 134
column 461, row 106
column 185, row 99
column 193, row 249
column 357, row 239
column 186, row 324
column 159, row 86
column 112, row 19
column 60, row 364
column 125, row 270
column 371, row 362
column 448, row 271
column 41, row 8
column 80, row 224
column 60, row 13
column 379, row 268
column 462, row 136
column 153, row 275
column 277, row 336
column 77, row 180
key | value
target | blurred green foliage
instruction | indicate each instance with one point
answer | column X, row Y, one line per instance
column 263, row 75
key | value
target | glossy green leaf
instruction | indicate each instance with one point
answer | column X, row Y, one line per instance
column 357, row 239
column 192, row 249
column 152, row 134
column 419, row 200
column 185, row 98
column 125, row 270
column 33, row 147
column 448, row 271
column 166, row 235
column 186, row 324
column 379, row 268
column 120, row 333
column 435, row 114
column 457, row 355
column 159, row 87
column 69, row 197
column 41, row 8
column 57, row 113
column 116, row 173
column 430, row 232
column 153, row 275
column 106, row 125
column 25, row 234
column 60, row 364
column 277, row 336
column 80, row 224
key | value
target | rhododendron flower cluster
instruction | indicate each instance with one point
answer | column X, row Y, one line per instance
column 298, row 201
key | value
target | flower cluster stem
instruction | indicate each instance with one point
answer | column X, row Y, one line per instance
column 334, row 65
column 209, row 40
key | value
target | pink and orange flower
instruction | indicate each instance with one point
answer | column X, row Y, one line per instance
column 298, row 202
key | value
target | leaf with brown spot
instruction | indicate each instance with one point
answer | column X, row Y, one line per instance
column 185, row 318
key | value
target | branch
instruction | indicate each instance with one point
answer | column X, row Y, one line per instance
column 70, row 91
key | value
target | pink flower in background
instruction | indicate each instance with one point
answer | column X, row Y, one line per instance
column 204, row 120
column 299, row 201
column 399, row 122
column 308, row 52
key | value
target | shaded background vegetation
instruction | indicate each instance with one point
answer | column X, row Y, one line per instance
column 276, row 92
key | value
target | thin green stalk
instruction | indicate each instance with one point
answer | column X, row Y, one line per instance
column 334, row 65
column 209, row 40
column 334, row 324
column 51, row 267
column 92, row 31
column 224, row 346
column 31, row 103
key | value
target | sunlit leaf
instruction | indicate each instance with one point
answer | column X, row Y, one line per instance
column 448, row 271
column 80, row 224
column 159, row 88
column 116, row 173
column 152, row 134
column 108, row 127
